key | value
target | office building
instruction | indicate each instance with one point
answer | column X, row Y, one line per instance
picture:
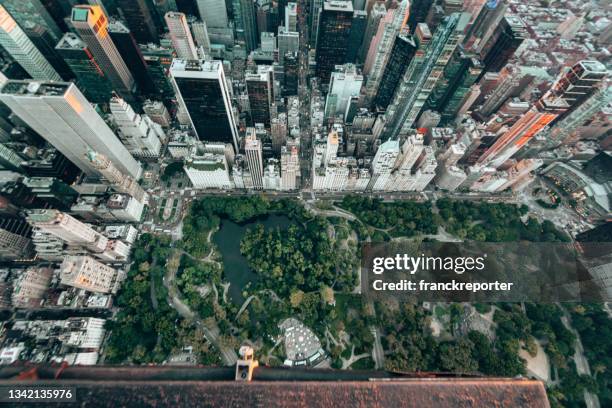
column 376, row 14
column 333, row 36
column 49, row 162
column 500, row 47
column 181, row 38
column 90, row 78
column 291, row 67
column 120, row 182
column 345, row 83
column 451, row 89
column 45, row 43
column 158, row 60
column 565, row 127
column 15, row 242
column 288, row 42
column 260, row 88
column 314, row 16
column 290, row 168
column 245, row 22
column 401, row 54
column 200, row 35
column 278, row 131
column 383, row 164
column 419, row 9
column 157, row 112
column 60, row 113
column 140, row 135
column 125, row 208
column 31, row 286
column 132, row 56
column 358, row 28
column 291, row 16
column 15, row 41
column 53, row 192
column 213, row 12
column 208, row 170
column 204, row 93
column 483, row 26
column 33, row 11
column 141, row 18
column 9, row 159
column 424, row 70
column 86, row 273
column 254, row 158
column 381, row 46
column 91, row 24
column 579, row 81
column 450, row 178
column 68, row 229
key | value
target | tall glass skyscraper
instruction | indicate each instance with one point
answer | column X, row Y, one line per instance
column 204, row 93
column 333, row 36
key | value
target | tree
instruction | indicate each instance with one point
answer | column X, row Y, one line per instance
column 327, row 294
column 457, row 357
column 296, row 298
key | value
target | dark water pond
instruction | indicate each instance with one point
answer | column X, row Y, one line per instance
column 235, row 266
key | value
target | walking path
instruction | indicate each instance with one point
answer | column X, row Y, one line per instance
column 211, row 334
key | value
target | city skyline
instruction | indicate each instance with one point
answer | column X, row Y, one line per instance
column 208, row 174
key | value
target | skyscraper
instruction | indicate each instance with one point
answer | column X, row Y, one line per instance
column 288, row 41
column 376, row 14
column 315, row 14
column 290, row 168
column 45, row 43
column 358, row 27
column 213, row 12
column 579, row 81
column 33, row 11
column 291, row 67
column 92, row 26
column 381, row 46
column 459, row 75
column 383, row 163
column 68, row 229
column 60, row 113
column 291, row 16
column 141, row 18
column 422, row 73
column 132, row 56
column 122, row 183
column 246, row 26
column 253, row 149
column 15, row 242
column 15, row 41
column 182, row 41
column 402, row 52
column 333, row 36
column 506, row 38
column 547, row 109
column 260, row 89
column 138, row 133
column 345, row 83
column 204, row 93
column 419, row 9
column 567, row 125
column 89, row 75
column 86, row 273
column 484, row 24
column 200, row 35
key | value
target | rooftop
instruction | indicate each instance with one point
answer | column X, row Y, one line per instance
column 275, row 387
column 35, row 88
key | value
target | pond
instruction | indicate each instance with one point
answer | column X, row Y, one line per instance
column 235, row 266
